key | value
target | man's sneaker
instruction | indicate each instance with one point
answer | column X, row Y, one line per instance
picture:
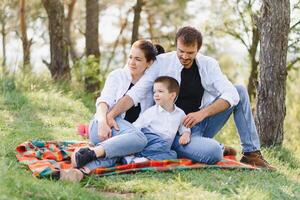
column 71, row 175
column 82, row 156
column 229, row 151
column 256, row 159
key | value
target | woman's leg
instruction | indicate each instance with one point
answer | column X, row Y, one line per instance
column 128, row 140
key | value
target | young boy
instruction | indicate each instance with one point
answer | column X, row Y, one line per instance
column 161, row 122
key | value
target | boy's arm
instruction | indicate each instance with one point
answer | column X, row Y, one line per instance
column 185, row 138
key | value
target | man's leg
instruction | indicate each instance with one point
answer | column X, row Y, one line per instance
column 245, row 125
column 243, row 120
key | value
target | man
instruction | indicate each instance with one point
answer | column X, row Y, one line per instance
column 207, row 97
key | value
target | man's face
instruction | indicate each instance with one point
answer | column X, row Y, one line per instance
column 186, row 53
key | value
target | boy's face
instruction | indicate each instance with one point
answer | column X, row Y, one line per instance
column 162, row 96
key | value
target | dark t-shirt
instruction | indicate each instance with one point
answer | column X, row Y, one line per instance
column 191, row 89
column 133, row 113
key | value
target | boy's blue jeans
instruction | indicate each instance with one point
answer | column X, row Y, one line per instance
column 157, row 148
column 204, row 149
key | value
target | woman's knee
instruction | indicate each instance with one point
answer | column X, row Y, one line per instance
column 93, row 132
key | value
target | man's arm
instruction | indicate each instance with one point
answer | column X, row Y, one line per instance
column 216, row 107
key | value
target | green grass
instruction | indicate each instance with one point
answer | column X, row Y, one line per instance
column 35, row 108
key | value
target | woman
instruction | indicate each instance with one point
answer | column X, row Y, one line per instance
column 127, row 140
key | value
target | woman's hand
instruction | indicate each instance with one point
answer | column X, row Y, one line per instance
column 104, row 131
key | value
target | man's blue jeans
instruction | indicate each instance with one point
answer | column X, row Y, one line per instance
column 204, row 149
column 128, row 140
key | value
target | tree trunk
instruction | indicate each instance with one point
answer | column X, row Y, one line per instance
column 136, row 21
column 273, row 28
column 91, row 32
column 59, row 65
column 92, row 83
column 3, row 33
column 68, row 22
column 150, row 20
column 252, row 81
column 25, row 42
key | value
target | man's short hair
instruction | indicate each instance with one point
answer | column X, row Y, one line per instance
column 189, row 36
column 171, row 83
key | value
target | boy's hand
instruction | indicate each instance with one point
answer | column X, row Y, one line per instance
column 185, row 138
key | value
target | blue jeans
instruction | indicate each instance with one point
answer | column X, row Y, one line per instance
column 128, row 140
column 157, row 148
column 204, row 149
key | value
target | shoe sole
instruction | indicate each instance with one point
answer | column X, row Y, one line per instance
column 71, row 175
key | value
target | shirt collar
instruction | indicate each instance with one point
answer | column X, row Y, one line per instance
column 161, row 109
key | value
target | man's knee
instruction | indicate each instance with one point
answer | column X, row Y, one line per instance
column 242, row 90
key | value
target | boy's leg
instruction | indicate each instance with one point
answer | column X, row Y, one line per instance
column 157, row 148
column 200, row 149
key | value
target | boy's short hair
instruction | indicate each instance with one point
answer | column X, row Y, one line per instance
column 171, row 83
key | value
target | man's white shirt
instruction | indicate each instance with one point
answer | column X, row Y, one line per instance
column 161, row 122
column 215, row 83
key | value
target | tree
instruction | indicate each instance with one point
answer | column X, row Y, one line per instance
column 25, row 42
column 68, row 22
column 237, row 22
column 3, row 21
column 136, row 20
column 273, row 26
column 59, row 64
column 92, row 83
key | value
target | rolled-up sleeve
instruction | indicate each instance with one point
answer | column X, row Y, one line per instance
column 222, row 85
column 144, row 85
column 108, row 93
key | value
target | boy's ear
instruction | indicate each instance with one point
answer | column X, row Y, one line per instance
column 174, row 95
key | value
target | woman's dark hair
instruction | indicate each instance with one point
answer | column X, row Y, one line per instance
column 189, row 36
column 147, row 47
column 159, row 49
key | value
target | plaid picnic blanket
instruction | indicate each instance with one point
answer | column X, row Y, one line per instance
column 47, row 158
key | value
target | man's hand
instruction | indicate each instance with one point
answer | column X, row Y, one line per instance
column 193, row 118
column 185, row 138
column 104, row 131
column 112, row 122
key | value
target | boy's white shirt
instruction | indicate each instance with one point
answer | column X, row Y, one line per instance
column 215, row 84
column 116, row 86
column 161, row 122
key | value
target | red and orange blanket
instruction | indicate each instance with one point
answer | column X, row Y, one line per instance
column 46, row 158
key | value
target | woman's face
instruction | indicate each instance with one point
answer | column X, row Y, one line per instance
column 137, row 62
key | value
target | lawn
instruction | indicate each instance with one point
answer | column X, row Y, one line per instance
column 35, row 108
